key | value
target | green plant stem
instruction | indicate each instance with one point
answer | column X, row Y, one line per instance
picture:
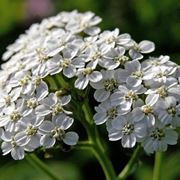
column 84, row 145
column 35, row 161
column 157, row 166
column 97, row 147
column 129, row 166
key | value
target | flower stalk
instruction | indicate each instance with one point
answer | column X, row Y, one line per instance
column 36, row 162
column 129, row 166
column 97, row 147
column 157, row 166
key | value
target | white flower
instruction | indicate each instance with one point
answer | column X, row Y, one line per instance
column 84, row 22
column 143, row 47
column 28, row 132
column 66, row 63
column 127, row 130
column 11, row 117
column 22, row 80
column 169, row 88
column 110, row 39
column 106, row 86
column 159, row 137
column 8, row 100
column 126, row 97
column 133, row 74
column 55, row 130
column 9, row 145
column 145, row 112
column 160, row 74
column 32, row 102
column 85, row 75
column 107, row 112
column 95, row 54
column 114, row 58
column 58, row 40
column 154, row 62
column 168, row 111
column 53, row 105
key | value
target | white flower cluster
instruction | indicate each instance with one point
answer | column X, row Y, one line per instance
column 139, row 96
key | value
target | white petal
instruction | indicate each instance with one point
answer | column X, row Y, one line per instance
column 95, row 76
column 65, row 100
column 100, row 118
column 171, row 137
column 146, row 46
column 70, row 71
column 71, row 138
column 137, row 115
column 47, row 141
column 21, row 138
column 148, row 145
column 63, row 121
column 133, row 82
column 115, row 135
column 92, row 31
column 123, row 39
column 46, row 127
column 118, row 122
column 4, row 121
column 35, row 141
column 101, row 95
column 6, row 148
column 150, row 119
column 42, row 110
column 128, row 141
column 17, row 153
column 81, row 82
column 133, row 66
column 151, row 99
column 135, row 55
column 42, row 91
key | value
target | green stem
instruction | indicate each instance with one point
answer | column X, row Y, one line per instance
column 129, row 166
column 84, row 145
column 157, row 166
column 35, row 161
column 97, row 147
column 61, row 81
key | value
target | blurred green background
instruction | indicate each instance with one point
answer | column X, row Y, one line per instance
column 158, row 21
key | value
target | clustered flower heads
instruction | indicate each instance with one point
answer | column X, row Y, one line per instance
column 137, row 96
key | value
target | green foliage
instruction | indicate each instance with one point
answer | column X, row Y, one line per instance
column 11, row 12
column 170, row 168
column 22, row 170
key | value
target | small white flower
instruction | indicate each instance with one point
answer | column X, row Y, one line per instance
column 8, row 100
column 23, row 81
column 53, row 105
column 114, row 58
column 66, row 63
column 10, row 145
column 106, row 86
column 107, row 112
column 158, row 138
column 127, row 130
column 85, row 75
column 11, row 117
column 126, row 97
column 84, row 22
column 28, row 132
column 145, row 112
column 143, row 47
column 169, row 88
column 55, row 130
column 168, row 111
column 133, row 74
